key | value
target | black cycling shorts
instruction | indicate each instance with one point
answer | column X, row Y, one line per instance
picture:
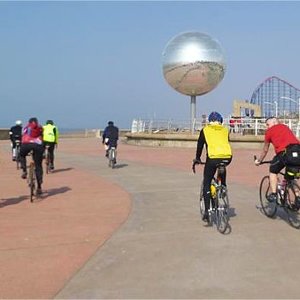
column 277, row 163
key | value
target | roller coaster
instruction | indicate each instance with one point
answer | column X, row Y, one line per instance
column 277, row 97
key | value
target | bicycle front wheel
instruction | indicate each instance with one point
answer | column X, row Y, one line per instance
column 269, row 208
column 292, row 211
column 222, row 217
column 201, row 201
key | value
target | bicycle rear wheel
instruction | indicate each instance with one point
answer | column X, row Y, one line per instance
column 222, row 217
column 111, row 158
column 18, row 157
column 31, row 179
column 269, row 208
column 292, row 211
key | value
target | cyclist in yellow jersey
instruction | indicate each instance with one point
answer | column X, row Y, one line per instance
column 50, row 137
column 215, row 137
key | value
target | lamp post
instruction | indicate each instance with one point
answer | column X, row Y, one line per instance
column 276, row 107
column 293, row 100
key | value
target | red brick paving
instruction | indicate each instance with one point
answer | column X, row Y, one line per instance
column 43, row 243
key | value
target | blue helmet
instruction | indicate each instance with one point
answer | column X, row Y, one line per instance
column 215, row 117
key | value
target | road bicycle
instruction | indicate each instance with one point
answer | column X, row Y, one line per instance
column 112, row 157
column 47, row 160
column 219, row 204
column 31, row 178
column 18, row 146
column 287, row 192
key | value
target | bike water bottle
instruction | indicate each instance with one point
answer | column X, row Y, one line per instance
column 213, row 190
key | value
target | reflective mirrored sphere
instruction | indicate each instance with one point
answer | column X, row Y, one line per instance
column 193, row 63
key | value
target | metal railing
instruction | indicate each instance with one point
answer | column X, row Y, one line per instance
column 243, row 126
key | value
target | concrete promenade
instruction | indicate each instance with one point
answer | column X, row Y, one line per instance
column 135, row 231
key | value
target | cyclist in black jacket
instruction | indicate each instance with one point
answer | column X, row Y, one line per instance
column 110, row 136
column 15, row 134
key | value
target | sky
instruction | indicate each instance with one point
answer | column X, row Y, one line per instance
column 82, row 64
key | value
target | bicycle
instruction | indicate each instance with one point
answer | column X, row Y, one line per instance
column 18, row 146
column 31, row 179
column 287, row 190
column 219, row 204
column 47, row 159
column 112, row 155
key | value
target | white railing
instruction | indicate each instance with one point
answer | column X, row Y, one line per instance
column 243, row 126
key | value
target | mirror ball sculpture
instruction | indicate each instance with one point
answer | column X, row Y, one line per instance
column 193, row 64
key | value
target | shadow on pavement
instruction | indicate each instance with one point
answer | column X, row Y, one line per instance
column 119, row 166
column 62, row 170
column 11, row 201
column 52, row 192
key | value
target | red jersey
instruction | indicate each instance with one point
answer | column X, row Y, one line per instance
column 280, row 136
column 32, row 133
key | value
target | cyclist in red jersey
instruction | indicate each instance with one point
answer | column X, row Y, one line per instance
column 32, row 140
column 280, row 136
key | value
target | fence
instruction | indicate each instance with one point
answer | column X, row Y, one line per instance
column 243, row 126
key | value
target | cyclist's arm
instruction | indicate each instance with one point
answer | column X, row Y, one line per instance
column 200, row 145
column 264, row 152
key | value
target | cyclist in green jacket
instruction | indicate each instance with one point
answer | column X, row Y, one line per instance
column 50, row 137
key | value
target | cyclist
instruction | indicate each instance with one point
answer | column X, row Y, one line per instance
column 280, row 136
column 32, row 138
column 50, row 138
column 215, row 137
column 110, row 136
column 15, row 134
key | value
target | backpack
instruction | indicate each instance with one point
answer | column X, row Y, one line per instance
column 292, row 155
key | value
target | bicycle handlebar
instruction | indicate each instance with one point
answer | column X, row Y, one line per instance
column 262, row 162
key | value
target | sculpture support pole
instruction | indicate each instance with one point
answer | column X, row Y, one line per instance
column 193, row 113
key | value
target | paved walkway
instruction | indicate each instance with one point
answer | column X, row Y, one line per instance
column 135, row 231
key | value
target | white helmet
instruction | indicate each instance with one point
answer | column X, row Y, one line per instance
column 18, row 122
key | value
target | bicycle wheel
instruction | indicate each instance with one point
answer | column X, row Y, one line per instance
column 222, row 218
column 18, row 157
column 113, row 158
column 47, row 160
column 269, row 208
column 109, row 157
column 201, row 201
column 293, row 214
column 31, row 182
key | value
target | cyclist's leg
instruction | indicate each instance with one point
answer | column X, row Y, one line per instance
column 38, row 159
column 13, row 145
column 106, row 146
column 226, row 161
column 114, row 144
column 208, row 174
column 24, row 150
column 51, row 154
column 276, row 166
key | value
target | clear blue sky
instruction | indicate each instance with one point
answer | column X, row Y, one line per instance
column 84, row 63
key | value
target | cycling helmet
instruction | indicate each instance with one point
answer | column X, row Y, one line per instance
column 18, row 122
column 33, row 120
column 50, row 122
column 110, row 123
column 215, row 117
